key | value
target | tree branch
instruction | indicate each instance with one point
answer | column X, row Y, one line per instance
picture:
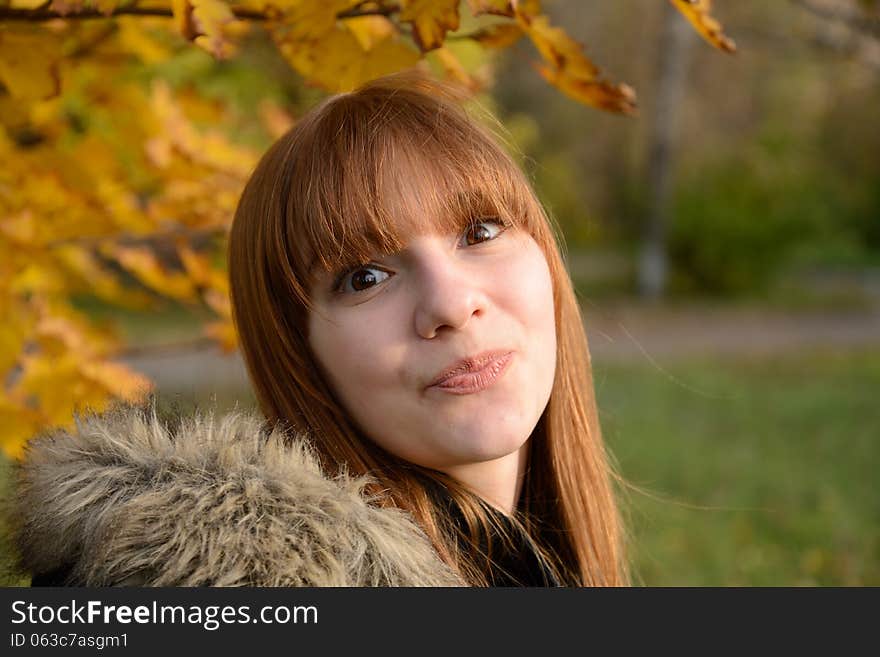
column 126, row 239
column 43, row 14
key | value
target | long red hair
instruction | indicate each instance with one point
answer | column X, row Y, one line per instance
column 323, row 197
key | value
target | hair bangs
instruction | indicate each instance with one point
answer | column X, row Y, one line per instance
column 388, row 176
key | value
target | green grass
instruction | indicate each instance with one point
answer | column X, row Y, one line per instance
column 756, row 471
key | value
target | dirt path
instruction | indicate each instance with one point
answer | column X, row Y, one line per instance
column 617, row 333
column 625, row 332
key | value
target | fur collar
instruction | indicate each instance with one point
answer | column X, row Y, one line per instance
column 129, row 499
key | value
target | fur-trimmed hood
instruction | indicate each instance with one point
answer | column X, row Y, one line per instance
column 129, row 499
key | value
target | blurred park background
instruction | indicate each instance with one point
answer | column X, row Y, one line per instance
column 725, row 244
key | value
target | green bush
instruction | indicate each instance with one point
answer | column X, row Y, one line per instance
column 735, row 224
column 738, row 221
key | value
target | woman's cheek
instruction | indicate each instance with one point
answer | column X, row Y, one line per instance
column 368, row 348
column 528, row 285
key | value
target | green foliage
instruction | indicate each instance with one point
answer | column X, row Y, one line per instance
column 10, row 575
column 737, row 222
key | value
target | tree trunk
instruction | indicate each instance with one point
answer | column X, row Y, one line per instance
column 675, row 42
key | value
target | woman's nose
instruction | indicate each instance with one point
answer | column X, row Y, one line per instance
column 448, row 297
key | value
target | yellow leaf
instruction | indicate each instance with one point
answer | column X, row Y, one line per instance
column 18, row 423
column 15, row 329
column 199, row 268
column 495, row 7
column 370, row 30
column 52, row 383
column 179, row 135
column 500, row 35
column 570, row 70
column 619, row 98
column 207, row 23
column 218, row 300
column 224, row 333
column 431, row 20
column 107, row 7
column 307, row 20
column 60, row 329
column 61, row 333
column 181, row 10
column 37, row 278
column 117, row 380
column 20, row 229
column 275, row 119
column 454, row 70
column 697, row 12
column 26, row 4
column 121, row 204
column 556, row 47
column 138, row 41
column 14, row 114
column 337, row 61
column 29, row 63
column 144, row 264
column 211, row 18
column 83, row 264
column 66, row 383
column 65, row 7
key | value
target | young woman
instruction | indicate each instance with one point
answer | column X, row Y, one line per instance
column 418, row 354
column 400, row 296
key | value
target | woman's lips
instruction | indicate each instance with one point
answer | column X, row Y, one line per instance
column 479, row 373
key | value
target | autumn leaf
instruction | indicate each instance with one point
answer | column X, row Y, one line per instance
column 82, row 263
column 70, row 382
column 140, row 42
column 454, row 69
column 65, row 7
column 144, row 264
column 604, row 95
column 302, row 22
column 224, row 333
column 567, row 68
column 431, row 20
column 107, row 7
column 29, row 63
column 274, row 118
column 117, row 379
column 500, row 35
column 212, row 19
column 26, row 4
column 494, row 7
column 183, row 22
column 205, row 23
column 198, row 267
column 338, row 62
column 15, row 330
column 697, row 12
column 370, row 30
column 18, row 423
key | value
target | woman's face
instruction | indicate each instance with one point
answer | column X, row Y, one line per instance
column 392, row 327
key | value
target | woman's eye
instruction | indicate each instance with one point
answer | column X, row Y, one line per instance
column 362, row 278
column 482, row 231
